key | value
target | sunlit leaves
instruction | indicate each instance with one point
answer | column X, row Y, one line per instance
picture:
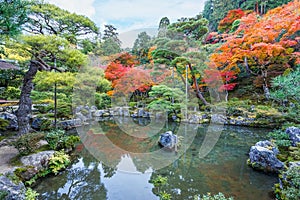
column 262, row 43
column 232, row 15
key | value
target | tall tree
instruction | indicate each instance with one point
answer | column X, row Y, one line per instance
column 13, row 14
column 141, row 47
column 48, row 19
column 110, row 32
column 53, row 30
column 194, row 27
column 111, row 44
column 180, row 63
column 43, row 52
column 162, row 28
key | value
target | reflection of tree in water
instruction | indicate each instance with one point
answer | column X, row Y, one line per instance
column 108, row 171
column 77, row 183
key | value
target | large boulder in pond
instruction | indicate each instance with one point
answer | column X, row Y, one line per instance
column 168, row 140
column 10, row 189
column 262, row 157
column 294, row 134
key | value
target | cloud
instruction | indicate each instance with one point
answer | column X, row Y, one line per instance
column 131, row 16
column 78, row 6
column 144, row 13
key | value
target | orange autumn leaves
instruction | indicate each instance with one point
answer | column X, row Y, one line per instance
column 128, row 78
column 261, row 43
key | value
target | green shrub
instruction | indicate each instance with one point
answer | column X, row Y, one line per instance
column 282, row 139
column 132, row 104
column 102, row 100
column 57, row 139
column 291, row 185
column 59, row 161
column 31, row 194
column 12, row 93
column 164, row 195
column 3, row 124
column 27, row 143
column 3, row 194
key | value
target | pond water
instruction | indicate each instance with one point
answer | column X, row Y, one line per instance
column 112, row 163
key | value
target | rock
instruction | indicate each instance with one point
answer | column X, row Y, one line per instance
column 140, row 112
column 106, row 114
column 126, row 112
column 146, row 114
column 269, row 145
column 194, row 119
column 72, row 123
column 13, row 190
column 26, row 174
column 38, row 161
column 218, row 119
column 13, row 121
column 81, row 117
column 41, row 143
column 294, row 134
column 294, row 164
column 78, row 109
column 134, row 115
column 168, row 140
column 98, row 113
column 262, row 156
column 38, row 122
column 93, row 109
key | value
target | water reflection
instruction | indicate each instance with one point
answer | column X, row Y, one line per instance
column 223, row 170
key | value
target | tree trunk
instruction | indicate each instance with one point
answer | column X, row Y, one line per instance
column 24, row 110
column 199, row 93
column 265, row 85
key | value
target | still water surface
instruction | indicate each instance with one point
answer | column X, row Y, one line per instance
column 101, row 172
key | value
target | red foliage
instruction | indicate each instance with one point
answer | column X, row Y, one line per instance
column 115, row 71
column 264, row 45
column 219, row 79
column 126, row 59
column 214, row 37
column 134, row 79
column 232, row 15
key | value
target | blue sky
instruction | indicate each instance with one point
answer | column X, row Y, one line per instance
column 129, row 15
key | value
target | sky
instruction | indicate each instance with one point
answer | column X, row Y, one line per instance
column 132, row 16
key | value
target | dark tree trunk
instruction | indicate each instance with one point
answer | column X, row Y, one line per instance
column 199, row 93
column 24, row 110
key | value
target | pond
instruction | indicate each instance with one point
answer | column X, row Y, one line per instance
column 119, row 159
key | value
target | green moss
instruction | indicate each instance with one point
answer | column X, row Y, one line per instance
column 3, row 194
column 27, row 143
column 15, row 161
column 2, row 138
column 14, row 178
column 3, row 124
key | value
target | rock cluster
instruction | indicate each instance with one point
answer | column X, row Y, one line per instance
column 11, row 189
column 262, row 156
column 168, row 140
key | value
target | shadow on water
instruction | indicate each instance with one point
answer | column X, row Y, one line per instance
column 116, row 174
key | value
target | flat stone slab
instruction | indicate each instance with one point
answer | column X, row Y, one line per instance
column 6, row 154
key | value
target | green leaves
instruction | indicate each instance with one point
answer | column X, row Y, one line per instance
column 165, row 98
column 59, row 161
column 286, row 87
column 49, row 19
column 13, row 16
